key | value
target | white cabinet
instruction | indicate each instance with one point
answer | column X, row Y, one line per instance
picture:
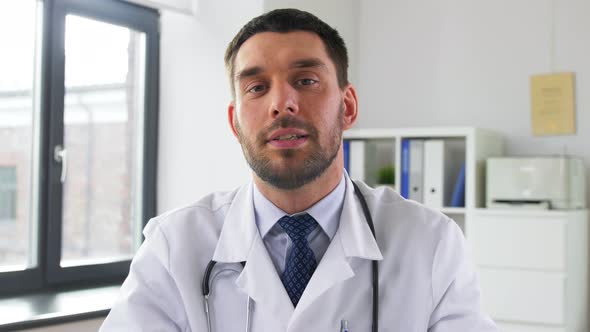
column 513, row 327
column 533, row 267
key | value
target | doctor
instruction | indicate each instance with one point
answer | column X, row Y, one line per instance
column 293, row 248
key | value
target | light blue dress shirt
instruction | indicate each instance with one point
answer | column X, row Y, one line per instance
column 278, row 244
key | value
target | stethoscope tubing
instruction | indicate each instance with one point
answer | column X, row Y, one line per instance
column 207, row 292
column 374, row 265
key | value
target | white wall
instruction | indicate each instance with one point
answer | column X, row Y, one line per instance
column 465, row 62
column 197, row 151
column 340, row 14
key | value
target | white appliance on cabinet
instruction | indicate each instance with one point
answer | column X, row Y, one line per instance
column 537, row 182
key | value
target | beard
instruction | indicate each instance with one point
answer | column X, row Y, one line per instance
column 290, row 169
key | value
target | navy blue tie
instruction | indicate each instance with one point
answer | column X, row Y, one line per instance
column 301, row 261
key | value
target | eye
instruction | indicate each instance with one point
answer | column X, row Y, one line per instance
column 307, row 81
column 256, row 88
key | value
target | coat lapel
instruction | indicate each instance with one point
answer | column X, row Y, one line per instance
column 261, row 282
column 353, row 239
column 333, row 268
column 240, row 241
column 239, row 229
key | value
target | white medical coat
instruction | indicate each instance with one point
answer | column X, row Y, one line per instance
column 427, row 282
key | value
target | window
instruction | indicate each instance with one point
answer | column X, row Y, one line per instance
column 7, row 194
column 78, row 111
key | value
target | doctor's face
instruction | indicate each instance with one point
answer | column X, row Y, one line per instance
column 289, row 112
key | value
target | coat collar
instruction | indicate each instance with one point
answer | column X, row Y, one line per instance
column 239, row 229
column 240, row 241
column 356, row 237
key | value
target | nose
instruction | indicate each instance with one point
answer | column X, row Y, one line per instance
column 283, row 100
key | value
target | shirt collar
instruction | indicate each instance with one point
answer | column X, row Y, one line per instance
column 326, row 212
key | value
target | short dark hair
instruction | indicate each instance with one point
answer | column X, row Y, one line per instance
column 288, row 20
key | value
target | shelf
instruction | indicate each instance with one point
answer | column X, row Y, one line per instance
column 418, row 132
column 453, row 210
column 472, row 145
column 528, row 212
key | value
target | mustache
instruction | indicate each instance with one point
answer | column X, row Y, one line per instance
column 287, row 122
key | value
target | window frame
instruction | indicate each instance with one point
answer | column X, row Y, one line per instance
column 48, row 274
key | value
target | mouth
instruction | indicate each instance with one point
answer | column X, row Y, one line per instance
column 288, row 138
column 291, row 137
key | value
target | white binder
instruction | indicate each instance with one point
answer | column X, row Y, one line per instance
column 357, row 160
column 416, row 170
column 443, row 159
column 434, row 173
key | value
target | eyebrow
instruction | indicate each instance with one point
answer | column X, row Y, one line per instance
column 303, row 63
column 248, row 72
column 309, row 63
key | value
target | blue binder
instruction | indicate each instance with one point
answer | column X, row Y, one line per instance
column 346, row 148
column 458, row 198
column 405, row 184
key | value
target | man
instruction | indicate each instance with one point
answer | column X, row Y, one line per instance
column 298, row 227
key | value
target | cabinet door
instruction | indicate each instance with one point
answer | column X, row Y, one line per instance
column 524, row 296
column 518, row 241
column 509, row 327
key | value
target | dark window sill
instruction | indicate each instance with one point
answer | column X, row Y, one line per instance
column 48, row 308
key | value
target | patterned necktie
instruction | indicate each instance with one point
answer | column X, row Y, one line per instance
column 301, row 261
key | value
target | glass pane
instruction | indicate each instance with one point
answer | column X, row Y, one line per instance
column 7, row 193
column 103, row 125
column 20, row 37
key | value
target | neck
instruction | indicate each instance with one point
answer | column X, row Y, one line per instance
column 299, row 199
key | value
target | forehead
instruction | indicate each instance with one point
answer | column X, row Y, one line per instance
column 267, row 49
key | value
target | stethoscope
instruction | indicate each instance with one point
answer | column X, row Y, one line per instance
column 375, row 270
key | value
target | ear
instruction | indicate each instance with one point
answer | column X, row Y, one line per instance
column 351, row 105
column 231, row 117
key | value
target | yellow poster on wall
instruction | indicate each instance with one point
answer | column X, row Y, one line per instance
column 552, row 104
